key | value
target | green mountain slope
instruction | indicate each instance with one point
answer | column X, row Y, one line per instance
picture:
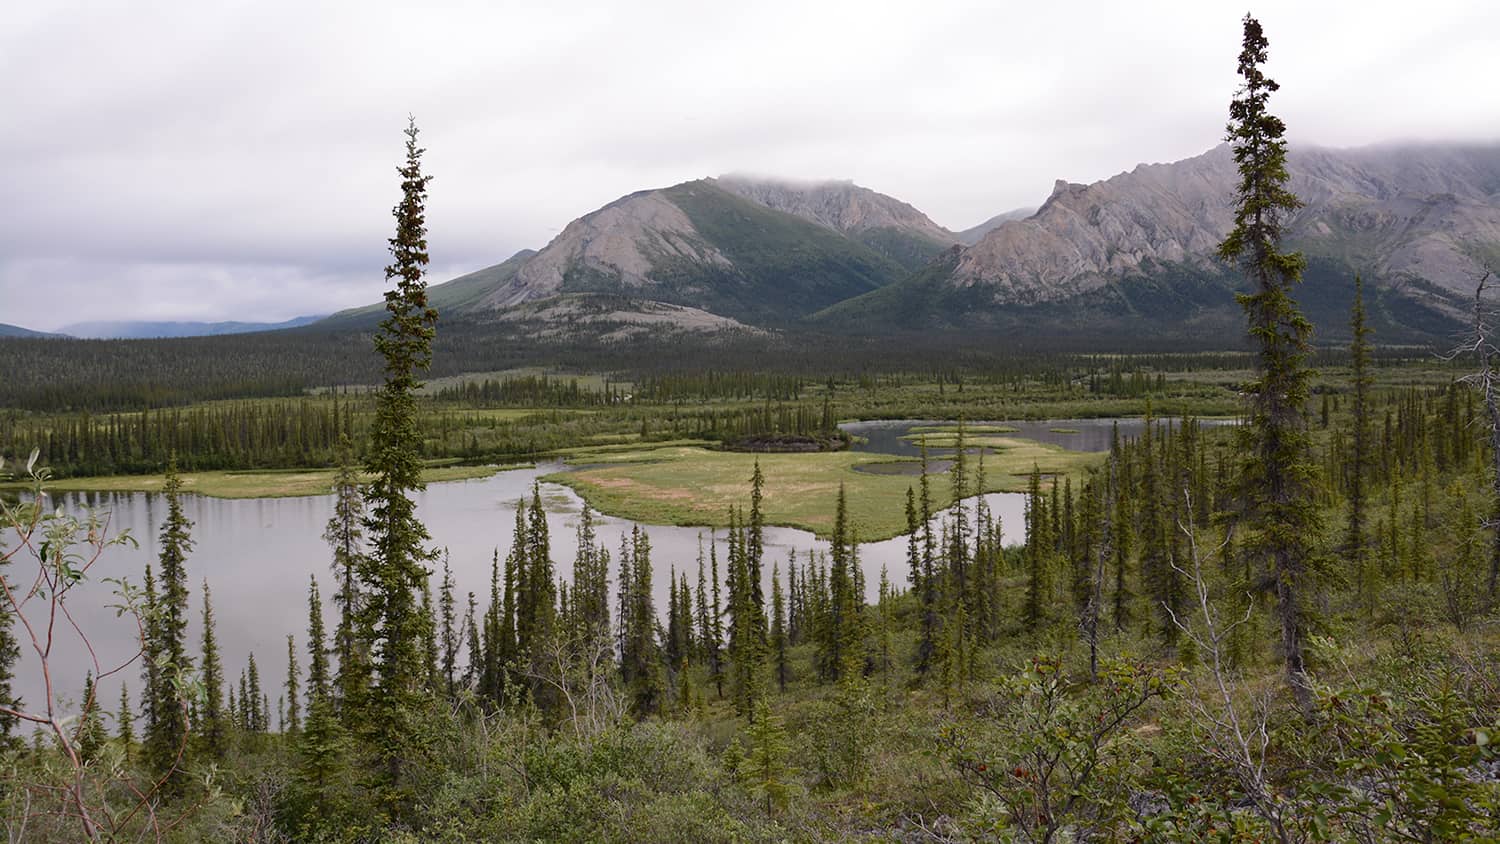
column 781, row 266
column 699, row 246
column 894, row 229
column 1162, row 299
column 909, row 250
column 451, row 298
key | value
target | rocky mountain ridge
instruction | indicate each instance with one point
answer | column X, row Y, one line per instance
column 891, row 227
column 971, row 236
column 698, row 245
column 1395, row 212
column 622, row 239
column 1134, row 252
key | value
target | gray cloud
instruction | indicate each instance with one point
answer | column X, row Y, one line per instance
column 236, row 161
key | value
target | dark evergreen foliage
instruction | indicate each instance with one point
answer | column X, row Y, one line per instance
column 389, row 621
column 167, row 725
column 1277, row 477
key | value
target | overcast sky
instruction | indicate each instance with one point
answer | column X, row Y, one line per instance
column 217, row 160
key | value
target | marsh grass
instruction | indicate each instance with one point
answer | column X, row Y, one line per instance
column 690, row 485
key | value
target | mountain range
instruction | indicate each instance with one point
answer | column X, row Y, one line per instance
column 7, row 330
column 1130, row 254
column 136, row 330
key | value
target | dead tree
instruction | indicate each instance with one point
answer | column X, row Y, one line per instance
column 1236, row 735
column 1484, row 345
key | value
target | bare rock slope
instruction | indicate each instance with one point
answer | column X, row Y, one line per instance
column 700, row 246
column 891, row 227
column 1420, row 222
column 1398, row 212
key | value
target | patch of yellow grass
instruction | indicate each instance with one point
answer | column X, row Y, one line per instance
column 689, row 485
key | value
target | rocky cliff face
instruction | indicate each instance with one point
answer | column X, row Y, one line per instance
column 969, row 237
column 1429, row 213
column 614, row 318
column 842, row 206
column 622, row 241
column 700, row 246
column 1131, row 254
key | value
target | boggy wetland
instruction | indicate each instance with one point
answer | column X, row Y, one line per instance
column 257, row 549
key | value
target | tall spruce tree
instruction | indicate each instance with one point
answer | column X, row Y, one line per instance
column 883, row 660
column 746, row 649
column 258, row 718
column 293, row 689
column 236, row 712
column 841, row 652
column 780, row 658
column 536, row 606
column 1120, row 530
column 1276, row 474
column 497, row 637
column 1038, row 555
column 591, row 582
column 640, row 656
column 713, row 621
column 318, row 682
column 766, row 771
column 150, row 657
column 707, row 646
column 1355, row 543
column 923, row 584
column 473, row 645
column 755, row 544
column 125, row 724
column 1158, row 532
column 431, row 649
column 213, row 730
column 320, row 746
column 167, row 732
column 674, row 644
column 448, row 632
column 345, row 535
column 390, row 622
column 957, row 548
column 90, row 737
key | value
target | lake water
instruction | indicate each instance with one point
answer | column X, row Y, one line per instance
column 257, row 555
column 888, row 436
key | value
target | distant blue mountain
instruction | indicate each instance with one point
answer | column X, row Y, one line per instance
column 18, row 331
column 139, row 330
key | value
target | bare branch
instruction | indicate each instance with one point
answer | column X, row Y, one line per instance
column 1237, row 740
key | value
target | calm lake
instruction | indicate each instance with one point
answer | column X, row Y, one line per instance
column 257, row 555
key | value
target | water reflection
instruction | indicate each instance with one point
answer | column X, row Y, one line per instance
column 257, row 555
